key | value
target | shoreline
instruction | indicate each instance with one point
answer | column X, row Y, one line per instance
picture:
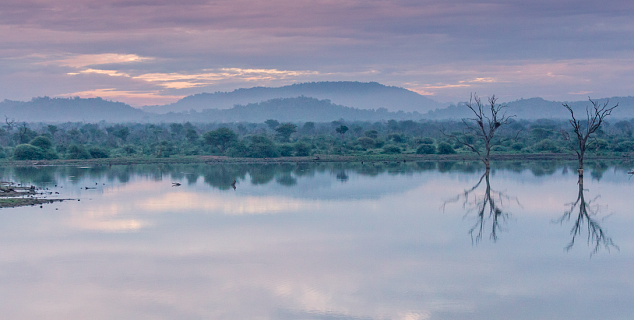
column 314, row 158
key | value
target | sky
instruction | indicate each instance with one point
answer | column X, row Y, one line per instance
column 148, row 52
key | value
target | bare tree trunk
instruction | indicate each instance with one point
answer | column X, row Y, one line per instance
column 487, row 120
column 584, row 129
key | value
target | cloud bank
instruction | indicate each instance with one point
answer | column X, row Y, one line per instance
column 153, row 52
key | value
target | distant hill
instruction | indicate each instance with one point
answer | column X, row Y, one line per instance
column 289, row 110
column 538, row 108
column 360, row 95
column 302, row 108
column 70, row 109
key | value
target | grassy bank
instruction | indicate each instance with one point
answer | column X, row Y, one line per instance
column 313, row 158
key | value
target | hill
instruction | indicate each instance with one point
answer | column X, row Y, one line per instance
column 538, row 108
column 360, row 95
column 288, row 110
column 45, row 109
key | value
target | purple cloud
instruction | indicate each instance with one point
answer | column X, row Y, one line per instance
column 434, row 47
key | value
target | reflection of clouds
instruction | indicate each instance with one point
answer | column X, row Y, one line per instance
column 391, row 256
column 179, row 201
column 106, row 218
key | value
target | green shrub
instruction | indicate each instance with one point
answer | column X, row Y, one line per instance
column 546, row 145
column 391, row 149
column 286, row 150
column 625, row 146
column 42, row 142
column 425, row 140
column 367, row 142
column 77, row 152
column 445, row 148
column 396, row 137
column 372, row 134
column 129, row 149
column 426, row 149
column 28, row 152
column 98, row 153
column 220, row 138
column 517, row 146
column 261, row 147
column 598, row 145
column 302, row 149
column 237, row 150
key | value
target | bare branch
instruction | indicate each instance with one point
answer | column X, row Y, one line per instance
column 483, row 126
column 586, row 213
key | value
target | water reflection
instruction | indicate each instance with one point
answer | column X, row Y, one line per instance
column 586, row 214
column 488, row 205
column 221, row 176
column 294, row 242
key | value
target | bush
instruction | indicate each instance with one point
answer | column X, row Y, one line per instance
column 302, row 149
column 546, row 145
column 220, row 138
column 517, row 146
column 129, row 149
column 445, row 148
column 398, row 138
column 286, row 150
column 426, row 149
column 98, row 153
column 42, row 142
column 625, row 146
column 598, row 145
column 372, row 134
column 391, row 149
column 236, row 150
column 425, row 140
column 28, row 152
column 77, row 152
column 367, row 142
column 261, row 147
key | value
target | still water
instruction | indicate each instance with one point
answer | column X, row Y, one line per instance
column 406, row 241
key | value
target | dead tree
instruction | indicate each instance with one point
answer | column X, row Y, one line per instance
column 487, row 121
column 583, row 130
column 586, row 215
column 9, row 123
column 488, row 206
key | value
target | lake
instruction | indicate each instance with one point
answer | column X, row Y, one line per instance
column 407, row 241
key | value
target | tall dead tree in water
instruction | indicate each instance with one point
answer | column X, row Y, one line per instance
column 487, row 121
column 583, row 130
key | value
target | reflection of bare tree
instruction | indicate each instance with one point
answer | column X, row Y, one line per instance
column 588, row 211
column 488, row 206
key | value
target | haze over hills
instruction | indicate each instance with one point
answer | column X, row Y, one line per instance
column 360, row 95
column 298, row 109
column 294, row 109
column 45, row 109
column 538, row 108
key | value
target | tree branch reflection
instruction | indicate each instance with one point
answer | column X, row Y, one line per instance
column 488, row 207
column 587, row 211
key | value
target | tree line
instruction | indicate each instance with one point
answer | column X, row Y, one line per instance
column 76, row 140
